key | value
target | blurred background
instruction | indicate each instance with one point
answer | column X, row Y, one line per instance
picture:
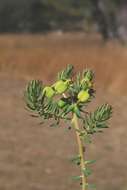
column 37, row 39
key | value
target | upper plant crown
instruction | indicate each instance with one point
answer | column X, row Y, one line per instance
column 68, row 95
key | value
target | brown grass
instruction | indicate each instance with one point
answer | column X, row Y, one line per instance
column 42, row 56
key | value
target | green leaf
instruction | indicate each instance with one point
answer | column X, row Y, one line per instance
column 91, row 186
column 67, row 109
column 103, row 113
column 76, row 178
column 88, row 75
column 33, row 94
column 90, row 161
column 87, row 171
column 86, row 138
column 98, row 119
column 76, row 160
column 55, row 125
column 65, row 74
column 77, row 111
column 101, row 125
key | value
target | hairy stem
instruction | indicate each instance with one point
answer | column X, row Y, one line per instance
column 81, row 151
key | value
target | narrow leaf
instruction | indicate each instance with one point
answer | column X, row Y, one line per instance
column 87, row 172
column 90, row 161
column 91, row 186
column 76, row 160
column 76, row 178
column 86, row 138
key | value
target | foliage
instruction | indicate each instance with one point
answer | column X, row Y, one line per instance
column 45, row 15
column 66, row 100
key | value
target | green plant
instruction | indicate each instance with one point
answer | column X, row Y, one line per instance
column 67, row 100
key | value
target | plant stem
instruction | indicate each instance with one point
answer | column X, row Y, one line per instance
column 81, row 150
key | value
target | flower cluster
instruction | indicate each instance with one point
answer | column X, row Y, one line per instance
column 65, row 87
column 66, row 95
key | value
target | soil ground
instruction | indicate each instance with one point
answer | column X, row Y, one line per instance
column 37, row 157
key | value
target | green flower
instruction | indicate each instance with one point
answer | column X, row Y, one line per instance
column 48, row 91
column 61, row 86
column 83, row 96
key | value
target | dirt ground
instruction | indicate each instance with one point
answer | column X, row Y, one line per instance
column 37, row 157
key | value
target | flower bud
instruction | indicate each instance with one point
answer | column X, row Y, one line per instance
column 61, row 103
column 61, row 86
column 48, row 91
column 89, row 84
column 83, row 96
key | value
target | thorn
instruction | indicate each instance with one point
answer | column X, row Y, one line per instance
column 64, row 95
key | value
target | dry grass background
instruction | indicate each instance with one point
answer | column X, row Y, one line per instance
column 35, row 157
column 43, row 56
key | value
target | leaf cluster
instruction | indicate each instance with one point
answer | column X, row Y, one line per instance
column 96, row 121
column 33, row 95
column 37, row 102
column 66, row 73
